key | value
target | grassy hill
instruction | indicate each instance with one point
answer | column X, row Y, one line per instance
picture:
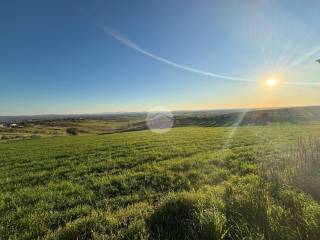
column 220, row 118
column 56, row 125
column 253, row 117
column 191, row 183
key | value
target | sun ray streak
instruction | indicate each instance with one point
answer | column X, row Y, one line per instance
column 235, row 128
column 303, row 83
column 295, row 48
column 283, row 56
column 306, row 57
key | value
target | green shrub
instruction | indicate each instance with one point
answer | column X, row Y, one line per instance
column 72, row 131
column 187, row 216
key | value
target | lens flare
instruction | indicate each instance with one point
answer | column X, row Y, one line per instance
column 271, row 82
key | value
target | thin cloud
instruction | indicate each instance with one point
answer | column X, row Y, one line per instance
column 135, row 47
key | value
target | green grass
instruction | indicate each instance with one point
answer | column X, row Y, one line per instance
column 54, row 128
column 190, row 183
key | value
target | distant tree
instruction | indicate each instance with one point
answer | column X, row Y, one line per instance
column 72, row 131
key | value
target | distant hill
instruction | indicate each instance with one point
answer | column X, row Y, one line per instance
column 253, row 117
column 201, row 118
column 221, row 118
column 63, row 117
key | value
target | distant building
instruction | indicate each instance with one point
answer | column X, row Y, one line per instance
column 11, row 125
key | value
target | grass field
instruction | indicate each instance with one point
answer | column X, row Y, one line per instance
column 53, row 128
column 51, row 125
column 191, row 183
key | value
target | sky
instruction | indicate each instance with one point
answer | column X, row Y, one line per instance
column 116, row 55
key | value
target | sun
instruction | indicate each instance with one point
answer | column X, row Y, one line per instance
column 271, row 82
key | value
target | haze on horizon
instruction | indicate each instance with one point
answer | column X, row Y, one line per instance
column 108, row 56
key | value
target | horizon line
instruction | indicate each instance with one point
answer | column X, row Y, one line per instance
column 146, row 111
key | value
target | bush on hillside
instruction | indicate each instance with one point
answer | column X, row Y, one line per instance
column 187, row 216
column 72, row 131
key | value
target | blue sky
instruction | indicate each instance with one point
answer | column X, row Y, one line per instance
column 66, row 57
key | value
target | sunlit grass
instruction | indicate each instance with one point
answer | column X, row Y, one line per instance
column 113, row 185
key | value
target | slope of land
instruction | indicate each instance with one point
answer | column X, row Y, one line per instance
column 255, row 117
column 56, row 125
column 191, row 183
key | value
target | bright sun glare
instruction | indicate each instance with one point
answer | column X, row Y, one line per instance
column 271, row 82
